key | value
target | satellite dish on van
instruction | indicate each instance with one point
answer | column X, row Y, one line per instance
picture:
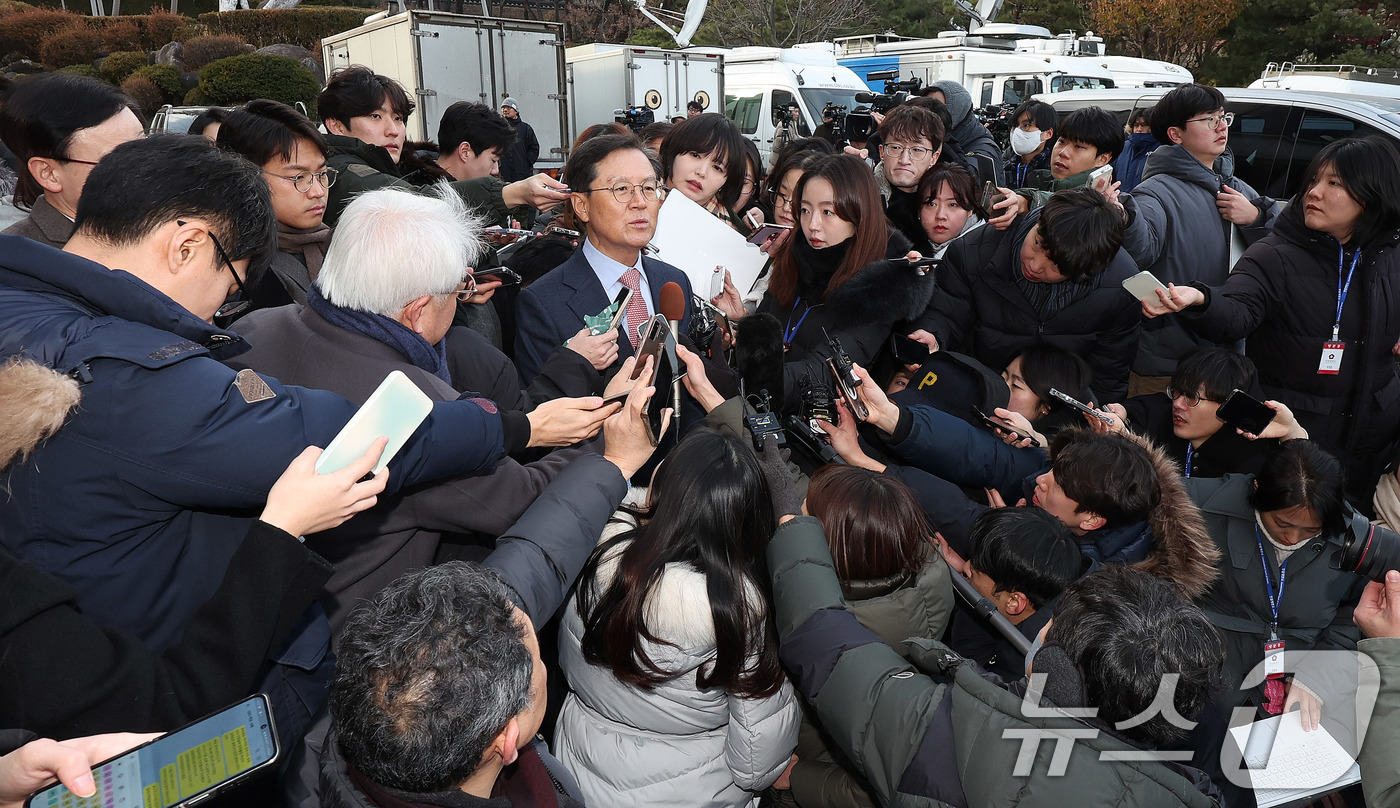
column 690, row 22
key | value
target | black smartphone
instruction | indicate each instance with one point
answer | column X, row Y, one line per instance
column 506, row 275
column 908, row 351
column 661, row 380
column 1081, row 406
column 189, row 765
column 847, row 382
column 998, row 426
column 657, row 341
column 1245, row 412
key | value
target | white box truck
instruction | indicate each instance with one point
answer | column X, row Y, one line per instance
column 605, row 78
column 443, row 58
column 759, row 82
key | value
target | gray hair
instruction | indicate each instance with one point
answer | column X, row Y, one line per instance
column 429, row 672
column 392, row 246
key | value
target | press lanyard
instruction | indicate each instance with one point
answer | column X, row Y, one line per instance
column 1269, row 581
column 1021, row 170
column 1343, row 287
column 790, row 330
column 1190, row 450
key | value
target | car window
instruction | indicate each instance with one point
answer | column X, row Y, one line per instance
column 783, row 99
column 1317, row 129
column 1260, row 145
column 1014, row 91
column 744, row 110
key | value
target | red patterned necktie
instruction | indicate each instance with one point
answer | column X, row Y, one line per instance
column 636, row 305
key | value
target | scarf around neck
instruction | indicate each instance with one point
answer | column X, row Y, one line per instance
column 816, row 268
column 310, row 243
column 432, row 358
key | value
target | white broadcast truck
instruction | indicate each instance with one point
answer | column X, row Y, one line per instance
column 985, row 61
column 442, row 58
column 608, row 82
column 760, row 83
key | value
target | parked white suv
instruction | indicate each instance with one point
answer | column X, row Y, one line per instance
column 1276, row 133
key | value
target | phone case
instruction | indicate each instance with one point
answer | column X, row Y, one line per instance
column 1144, row 286
column 394, row 410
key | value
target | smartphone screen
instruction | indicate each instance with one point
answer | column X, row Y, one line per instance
column 177, row 767
column 1242, row 411
column 661, row 399
column 908, row 351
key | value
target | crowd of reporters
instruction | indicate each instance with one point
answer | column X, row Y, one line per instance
column 555, row 594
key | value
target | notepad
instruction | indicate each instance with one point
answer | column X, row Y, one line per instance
column 1287, row 764
column 394, row 410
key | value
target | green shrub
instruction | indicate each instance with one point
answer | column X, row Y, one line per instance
column 75, row 45
column 118, row 66
column 82, row 70
column 144, row 92
column 197, row 98
column 189, row 31
column 292, row 26
column 256, row 75
column 24, row 31
column 12, row 6
column 166, row 77
column 203, row 50
column 121, row 34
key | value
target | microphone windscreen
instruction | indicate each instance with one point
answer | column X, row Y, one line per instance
column 672, row 301
column 866, row 98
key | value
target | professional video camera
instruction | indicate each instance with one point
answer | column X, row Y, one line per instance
column 836, row 114
column 816, row 405
column 997, row 119
column 785, row 115
column 860, row 124
column 635, row 118
column 896, row 91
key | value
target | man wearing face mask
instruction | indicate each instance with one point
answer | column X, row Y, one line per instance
column 1033, row 128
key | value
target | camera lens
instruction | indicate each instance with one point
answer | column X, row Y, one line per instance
column 1369, row 554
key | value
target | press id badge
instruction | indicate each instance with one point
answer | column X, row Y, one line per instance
column 1331, row 362
column 1273, row 658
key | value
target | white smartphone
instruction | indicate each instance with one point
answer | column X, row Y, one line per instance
column 394, row 410
column 1101, row 178
column 1144, row 286
column 716, row 283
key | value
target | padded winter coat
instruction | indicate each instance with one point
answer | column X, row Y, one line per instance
column 676, row 744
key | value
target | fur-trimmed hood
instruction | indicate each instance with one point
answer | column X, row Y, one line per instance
column 34, row 403
column 1183, row 551
column 884, row 290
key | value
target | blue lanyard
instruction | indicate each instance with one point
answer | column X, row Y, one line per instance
column 790, row 330
column 1190, row 450
column 1021, row 170
column 1343, row 288
column 1269, row 581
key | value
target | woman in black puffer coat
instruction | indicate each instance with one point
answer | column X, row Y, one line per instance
column 1285, row 294
column 843, row 273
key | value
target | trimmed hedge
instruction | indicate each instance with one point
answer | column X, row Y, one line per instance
column 24, row 31
column 292, row 26
column 166, row 77
column 82, row 70
column 75, row 45
column 256, row 75
column 117, row 67
column 144, row 92
column 204, row 50
column 196, row 98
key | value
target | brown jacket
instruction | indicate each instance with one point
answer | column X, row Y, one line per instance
column 44, row 224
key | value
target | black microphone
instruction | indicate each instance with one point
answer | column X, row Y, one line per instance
column 863, row 98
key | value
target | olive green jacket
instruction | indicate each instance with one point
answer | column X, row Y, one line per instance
column 364, row 167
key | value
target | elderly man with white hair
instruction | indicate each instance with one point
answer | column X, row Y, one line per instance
column 384, row 301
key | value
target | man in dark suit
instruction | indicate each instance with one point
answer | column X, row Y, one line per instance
column 617, row 195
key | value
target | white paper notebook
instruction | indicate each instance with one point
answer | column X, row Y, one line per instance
column 1287, row 764
column 691, row 239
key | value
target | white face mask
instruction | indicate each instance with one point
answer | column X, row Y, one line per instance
column 1024, row 142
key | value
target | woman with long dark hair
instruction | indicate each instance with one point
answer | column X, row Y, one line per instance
column 843, row 274
column 676, row 695
column 1318, row 300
